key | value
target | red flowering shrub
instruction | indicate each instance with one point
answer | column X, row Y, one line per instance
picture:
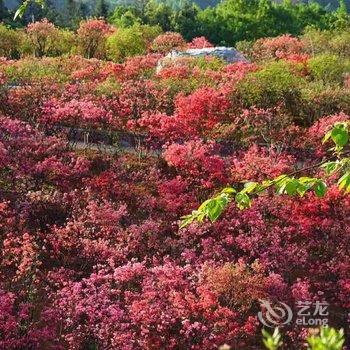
column 238, row 70
column 156, row 299
column 314, row 134
column 75, row 112
column 239, row 285
column 135, row 66
column 194, row 158
column 18, row 329
column 199, row 43
column 258, row 164
column 201, row 110
column 174, row 195
column 92, row 35
column 25, row 102
column 42, row 35
column 280, row 47
column 168, row 41
column 194, row 115
column 267, row 127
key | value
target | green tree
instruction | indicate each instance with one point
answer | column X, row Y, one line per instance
column 159, row 14
column 184, row 20
column 4, row 14
column 101, row 9
column 125, row 16
column 341, row 18
column 126, row 42
column 72, row 14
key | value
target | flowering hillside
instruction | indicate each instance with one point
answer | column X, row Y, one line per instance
column 99, row 160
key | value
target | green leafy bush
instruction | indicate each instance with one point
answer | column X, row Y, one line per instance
column 271, row 85
column 322, row 99
column 329, row 68
column 9, row 42
column 130, row 41
column 327, row 41
column 272, row 341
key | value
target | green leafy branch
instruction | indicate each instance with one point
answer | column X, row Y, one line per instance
column 272, row 341
column 23, row 7
column 287, row 184
column 327, row 339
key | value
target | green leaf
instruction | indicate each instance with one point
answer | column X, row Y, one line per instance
column 281, row 178
column 327, row 136
column 272, row 341
column 302, row 189
column 229, row 190
column 320, row 188
column 204, row 204
column 216, row 206
column 291, row 187
column 243, row 201
column 40, row 3
column 344, row 182
column 307, row 180
column 21, row 10
column 340, row 136
column 187, row 219
column 249, row 187
column 327, row 339
column 281, row 182
column 330, row 167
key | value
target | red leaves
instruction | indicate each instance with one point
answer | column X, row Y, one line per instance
column 259, row 164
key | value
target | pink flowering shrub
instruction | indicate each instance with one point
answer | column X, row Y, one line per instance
column 17, row 327
column 92, row 35
column 195, row 158
column 199, row 43
column 167, row 41
column 259, row 164
column 76, row 112
column 42, row 35
column 280, row 47
column 194, row 115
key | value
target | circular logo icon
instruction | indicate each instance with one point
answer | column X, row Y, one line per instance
column 276, row 315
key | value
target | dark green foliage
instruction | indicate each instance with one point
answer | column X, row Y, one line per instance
column 226, row 22
column 230, row 21
column 4, row 14
column 72, row 14
column 101, row 9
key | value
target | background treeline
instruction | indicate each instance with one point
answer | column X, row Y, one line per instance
column 232, row 20
column 225, row 23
